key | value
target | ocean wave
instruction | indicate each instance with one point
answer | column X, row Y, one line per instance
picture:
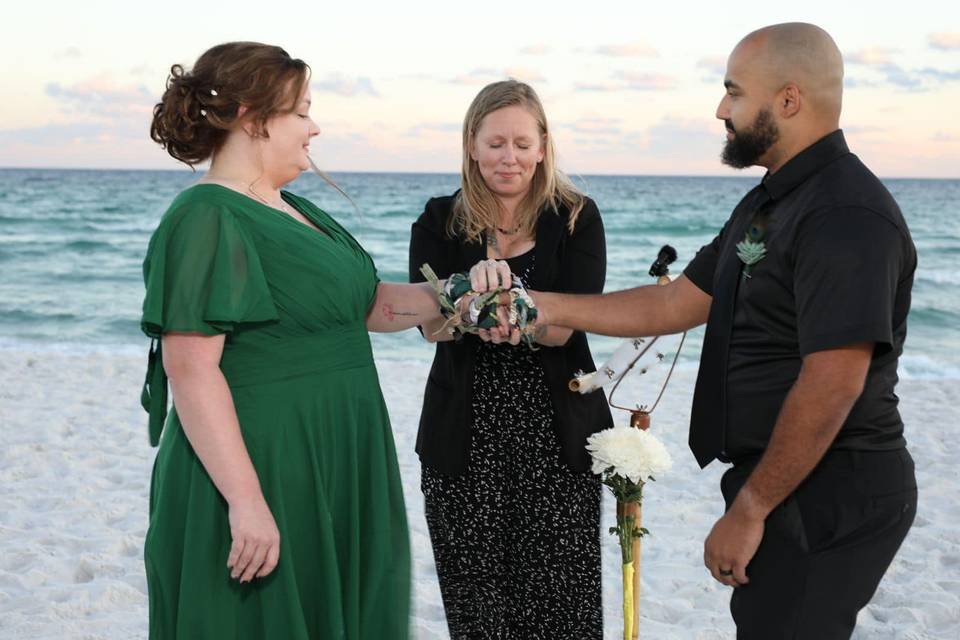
column 938, row 277
column 89, row 246
column 930, row 317
column 24, row 316
column 126, row 348
column 922, row 367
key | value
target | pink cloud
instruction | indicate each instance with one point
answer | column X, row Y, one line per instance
column 524, row 74
column 536, row 50
column 627, row 50
column 945, row 136
column 486, row 75
column 948, row 41
column 630, row 81
column 103, row 96
column 597, row 126
column 600, row 86
column 871, row 56
column 477, row 76
column 344, row 86
column 638, row 81
column 714, row 66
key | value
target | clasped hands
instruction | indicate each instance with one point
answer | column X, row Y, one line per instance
column 503, row 318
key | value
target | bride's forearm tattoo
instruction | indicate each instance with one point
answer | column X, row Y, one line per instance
column 392, row 314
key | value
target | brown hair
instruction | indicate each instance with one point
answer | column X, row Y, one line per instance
column 476, row 207
column 199, row 106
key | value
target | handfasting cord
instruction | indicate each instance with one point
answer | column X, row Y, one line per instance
column 481, row 313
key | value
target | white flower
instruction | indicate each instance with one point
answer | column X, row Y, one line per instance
column 633, row 453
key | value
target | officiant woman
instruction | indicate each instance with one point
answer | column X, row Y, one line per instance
column 512, row 508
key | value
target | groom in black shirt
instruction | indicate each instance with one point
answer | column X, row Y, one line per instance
column 805, row 293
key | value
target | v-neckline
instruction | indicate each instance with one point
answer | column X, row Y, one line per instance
column 317, row 228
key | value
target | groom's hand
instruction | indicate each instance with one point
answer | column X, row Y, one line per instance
column 733, row 541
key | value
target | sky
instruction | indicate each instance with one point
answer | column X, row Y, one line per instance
column 629, row 87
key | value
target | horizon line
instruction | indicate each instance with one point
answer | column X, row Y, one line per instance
column 454, row 173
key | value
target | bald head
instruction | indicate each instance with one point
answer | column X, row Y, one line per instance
column 795, row 53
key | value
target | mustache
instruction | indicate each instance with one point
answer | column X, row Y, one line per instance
column 729, row 125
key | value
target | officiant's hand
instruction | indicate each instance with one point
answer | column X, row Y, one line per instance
column 732, row 543
column 491, row 274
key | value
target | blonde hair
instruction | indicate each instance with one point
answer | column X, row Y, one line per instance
column 476, row 208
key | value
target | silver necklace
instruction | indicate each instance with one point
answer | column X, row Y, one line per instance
column 283, row 205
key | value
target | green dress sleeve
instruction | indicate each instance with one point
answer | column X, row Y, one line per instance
column 202, row 275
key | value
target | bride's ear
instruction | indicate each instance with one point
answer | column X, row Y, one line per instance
column 247, row 124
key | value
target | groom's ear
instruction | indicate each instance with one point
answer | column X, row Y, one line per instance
column 789, row 101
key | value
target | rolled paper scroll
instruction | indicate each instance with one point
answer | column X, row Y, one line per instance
column 642, row 354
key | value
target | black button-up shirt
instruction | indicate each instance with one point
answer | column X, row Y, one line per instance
column 838, row 270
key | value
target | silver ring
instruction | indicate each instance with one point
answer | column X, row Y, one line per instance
column 725, row 572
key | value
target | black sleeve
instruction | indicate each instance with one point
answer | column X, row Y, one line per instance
column 584, row 266
column 426, row 243
column 701, row 269
column 847, row 264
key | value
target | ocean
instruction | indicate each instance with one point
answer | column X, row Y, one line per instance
column 72, row 243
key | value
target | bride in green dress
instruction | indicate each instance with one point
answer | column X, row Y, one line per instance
column 276, row 507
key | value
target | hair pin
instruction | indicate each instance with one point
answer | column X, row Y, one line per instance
column 203, row 112
column 213, row 92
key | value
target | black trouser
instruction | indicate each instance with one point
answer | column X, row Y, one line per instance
column 826, row 547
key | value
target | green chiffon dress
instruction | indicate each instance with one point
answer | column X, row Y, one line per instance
column 292, row 302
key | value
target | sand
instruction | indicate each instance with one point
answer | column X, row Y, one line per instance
column 74, row 478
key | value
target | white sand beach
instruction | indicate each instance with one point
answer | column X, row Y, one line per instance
column 75, row 468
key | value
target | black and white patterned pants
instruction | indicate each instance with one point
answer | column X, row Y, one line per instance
column 516, row 538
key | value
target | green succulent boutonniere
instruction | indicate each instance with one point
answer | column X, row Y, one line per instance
column 752, row 249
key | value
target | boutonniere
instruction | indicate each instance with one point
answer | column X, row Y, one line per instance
column 752, row 249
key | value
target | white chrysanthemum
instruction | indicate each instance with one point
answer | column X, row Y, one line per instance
column 633, row 453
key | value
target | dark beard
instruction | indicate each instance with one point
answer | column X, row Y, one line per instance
column 746, row 147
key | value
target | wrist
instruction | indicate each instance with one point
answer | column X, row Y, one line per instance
column 539, row 333
column 546, row 314
column 433, row 310
column 749, row 505
column 244, row 496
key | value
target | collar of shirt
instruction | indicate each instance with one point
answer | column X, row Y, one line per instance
column 805, row 164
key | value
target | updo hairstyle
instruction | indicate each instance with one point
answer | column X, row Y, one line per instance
column 200, row 106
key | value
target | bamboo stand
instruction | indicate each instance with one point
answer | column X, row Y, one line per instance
column 638, row 420
column 636, row 576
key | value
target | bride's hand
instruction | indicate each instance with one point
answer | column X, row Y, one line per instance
column 255, row 548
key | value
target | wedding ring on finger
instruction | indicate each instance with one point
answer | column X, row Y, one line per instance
column 726, row 573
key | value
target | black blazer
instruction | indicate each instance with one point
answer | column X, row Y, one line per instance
column 571, row 263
